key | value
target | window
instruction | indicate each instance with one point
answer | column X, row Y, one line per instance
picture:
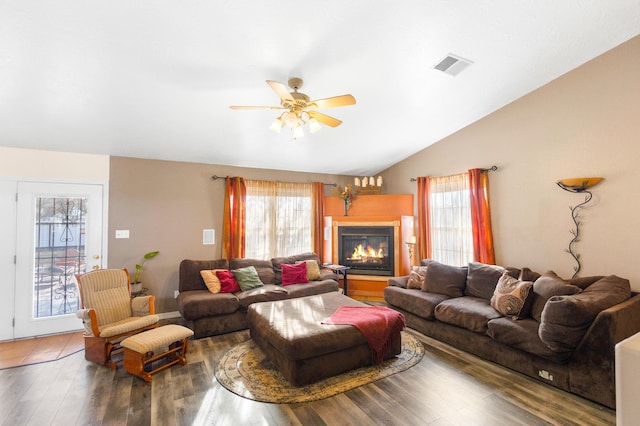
column 450, row 218
column 279, row 218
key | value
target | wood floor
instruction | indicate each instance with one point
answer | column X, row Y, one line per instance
column 448, row 387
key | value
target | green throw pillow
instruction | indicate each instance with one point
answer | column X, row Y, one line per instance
column 247, row 278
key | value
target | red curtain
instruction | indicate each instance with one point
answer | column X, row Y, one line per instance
column 424, row 224
column 317, row 230
column 481, row 217
column 233, row 222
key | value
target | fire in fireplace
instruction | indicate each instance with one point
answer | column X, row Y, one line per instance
column 368, row 250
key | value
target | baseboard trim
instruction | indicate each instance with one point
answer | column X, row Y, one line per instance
column 167, row 315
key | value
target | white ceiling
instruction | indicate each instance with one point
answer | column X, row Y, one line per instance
column 155, row 78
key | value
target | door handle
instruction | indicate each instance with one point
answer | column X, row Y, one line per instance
column 96, row 267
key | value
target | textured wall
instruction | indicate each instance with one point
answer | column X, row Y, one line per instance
column 585, row 123
column 165, row 206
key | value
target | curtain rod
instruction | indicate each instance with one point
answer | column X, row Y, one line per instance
column 216, row 177
column 490, row 169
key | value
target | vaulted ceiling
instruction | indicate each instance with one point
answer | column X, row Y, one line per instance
column 155, row 78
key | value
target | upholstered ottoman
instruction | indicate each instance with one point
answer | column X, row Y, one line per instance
column 169, row 342
column 304, row 350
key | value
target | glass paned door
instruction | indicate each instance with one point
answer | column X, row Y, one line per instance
column 60, row 235
column 60, row 224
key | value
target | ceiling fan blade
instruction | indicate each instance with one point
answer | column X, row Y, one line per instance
column 336, row 101
column 325, row 119
column 255, row 107
column 280, row 90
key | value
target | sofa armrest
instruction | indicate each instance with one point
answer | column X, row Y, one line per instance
column 328, row 274
column 142, row 306
column 399, row 281
column 592, row 371
column 189, row 273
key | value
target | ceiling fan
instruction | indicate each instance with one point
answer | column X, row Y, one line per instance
column 300, row 110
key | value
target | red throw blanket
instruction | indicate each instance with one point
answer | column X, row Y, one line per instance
column 376, row 323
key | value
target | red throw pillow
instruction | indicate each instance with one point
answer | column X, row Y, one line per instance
column 228, row 283
column 294, row 274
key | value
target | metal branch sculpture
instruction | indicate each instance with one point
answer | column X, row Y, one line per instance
column 577, row 185
column 575, row 214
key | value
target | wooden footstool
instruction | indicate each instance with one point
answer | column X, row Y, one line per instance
column 140, row 349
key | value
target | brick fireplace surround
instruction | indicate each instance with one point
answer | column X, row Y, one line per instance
column 371, row 210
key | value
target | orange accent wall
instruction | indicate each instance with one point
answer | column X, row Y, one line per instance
column 397, row 209
column 371, row 205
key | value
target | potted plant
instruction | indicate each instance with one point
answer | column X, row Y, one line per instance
column 136, row 285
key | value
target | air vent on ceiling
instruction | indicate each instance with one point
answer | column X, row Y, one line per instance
column 452, row 64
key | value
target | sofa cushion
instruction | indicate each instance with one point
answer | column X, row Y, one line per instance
column 510, row 295
column 416, row 277
column 196, row 304
column 527, row 274
column 228, row 283
column 294, row 274
column 472, row 313
column 445, row 279
column 482, row 280
column 414, row 301
column 265, row 293
column 584, row 282
column 247, row 278
column 264, row 268
column 426, row 262
column 211, row 280
column 278, row 261
column 313, row 269
column 565, row 319
column 311, row 288
column 189, row 273
column 523, row 334
column 545, row 287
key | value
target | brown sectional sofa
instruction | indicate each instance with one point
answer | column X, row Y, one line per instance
column 208, row 314
column 564, row 335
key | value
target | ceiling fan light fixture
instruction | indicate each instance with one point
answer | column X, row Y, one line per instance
column 292, row 120
column 277, row 124
column 300, row 109
column 298, row 132
column 314, row 125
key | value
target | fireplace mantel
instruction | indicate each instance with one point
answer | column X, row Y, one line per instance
column 371, row 210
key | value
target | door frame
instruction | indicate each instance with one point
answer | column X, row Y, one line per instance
column 12, row 283
column 8, row 240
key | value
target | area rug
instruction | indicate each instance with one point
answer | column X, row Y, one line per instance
column 246, row 371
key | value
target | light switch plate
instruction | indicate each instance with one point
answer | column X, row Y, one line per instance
column 122, row 233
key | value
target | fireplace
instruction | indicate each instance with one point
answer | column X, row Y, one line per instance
column 367, row 250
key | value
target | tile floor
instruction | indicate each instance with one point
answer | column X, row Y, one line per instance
column 39, row 349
